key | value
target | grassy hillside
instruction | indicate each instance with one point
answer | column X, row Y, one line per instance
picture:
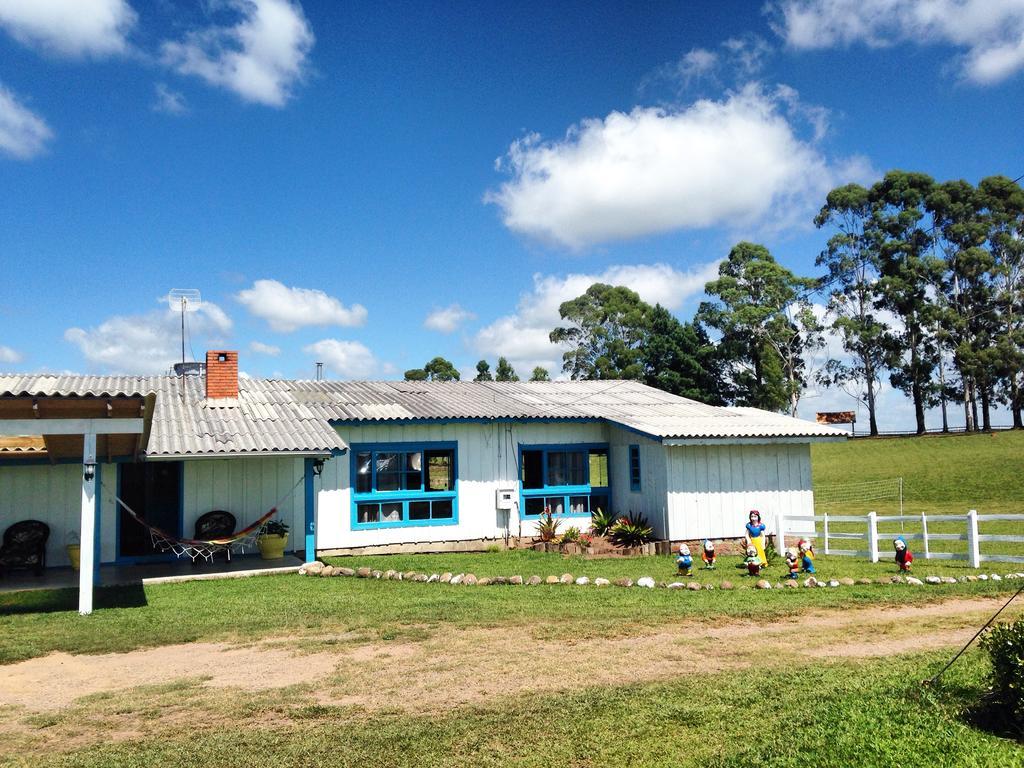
column 948, row 474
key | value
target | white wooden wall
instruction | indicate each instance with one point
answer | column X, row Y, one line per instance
column 247, row 487
column 53, row 495
column 711, row 489
column 487, row 460
column 650, row 500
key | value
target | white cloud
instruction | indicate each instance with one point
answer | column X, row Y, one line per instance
column 523, row 337
column 989, row 32
column 8, row 355
column 287, row 309
column 168, row 101
column 447, row 320
column 738, row 162
column 346, row 359
column 147, row 343
column 23, row 134
column 264, row 349
column 70, row 27
column 261, row 57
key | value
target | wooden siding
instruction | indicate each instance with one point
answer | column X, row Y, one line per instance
column 487, row 460
column 650, row 500
column 711, row 489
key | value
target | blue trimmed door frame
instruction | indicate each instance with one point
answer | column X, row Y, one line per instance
column 310, row 510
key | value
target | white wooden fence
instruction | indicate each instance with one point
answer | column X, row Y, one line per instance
column 867, row 540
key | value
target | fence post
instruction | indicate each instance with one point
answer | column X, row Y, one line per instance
column 826, row 532
column 973, row 550
column 873, row 536
column 780, row 534
column 924, row 532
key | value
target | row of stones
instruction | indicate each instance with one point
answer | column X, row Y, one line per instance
column 320, row 569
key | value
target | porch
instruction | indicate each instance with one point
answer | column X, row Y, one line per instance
column 241, row 566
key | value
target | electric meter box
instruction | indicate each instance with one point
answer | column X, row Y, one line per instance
column 505, row 498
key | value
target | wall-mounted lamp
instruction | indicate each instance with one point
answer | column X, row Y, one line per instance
column 88, row 471
column 318, row 467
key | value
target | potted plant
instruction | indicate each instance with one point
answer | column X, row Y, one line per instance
column 74, row 550
column 272, row 539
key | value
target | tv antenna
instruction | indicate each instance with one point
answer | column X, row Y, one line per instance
column 185, row 300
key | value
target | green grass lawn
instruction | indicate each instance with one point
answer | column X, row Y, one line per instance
column 828, row 714
column 36, row 623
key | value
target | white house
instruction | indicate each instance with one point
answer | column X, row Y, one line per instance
column 354, row 464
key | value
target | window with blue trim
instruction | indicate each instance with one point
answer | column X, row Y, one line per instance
column 634, row 467
column 404, row 484
column 564, row 479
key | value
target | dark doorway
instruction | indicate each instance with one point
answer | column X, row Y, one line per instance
column 153, row 490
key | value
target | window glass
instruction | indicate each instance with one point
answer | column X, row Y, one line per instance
column 555, row 504
column 534, row 505
column 389, row 471
column 634, row 467
column 579, row 505
column 599, row 468
column 364, row 476
column 440, row 470
column 419, row 510
column 533, row 469
column 598, row 501
column 368, row 513
column 557, row 473
column 577, row 468
column 442, row 509
column 391, row 512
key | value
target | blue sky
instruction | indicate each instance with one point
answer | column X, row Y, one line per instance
column 374, row 184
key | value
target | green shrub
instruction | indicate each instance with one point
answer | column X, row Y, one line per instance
column 601, row 522
column 1005, row 646
column 631, row 531
column 572, row 534
column 274, row 528
column 547, row 526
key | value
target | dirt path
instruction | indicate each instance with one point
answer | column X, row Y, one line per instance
column 464, row 666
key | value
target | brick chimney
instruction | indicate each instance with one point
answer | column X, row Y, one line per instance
column 221, row 374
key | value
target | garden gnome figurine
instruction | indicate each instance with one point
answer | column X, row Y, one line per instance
column 685, row 561
column 903, row 555
column 708, row 555
column 753, row 562
column 806, row 550
column 793, row 562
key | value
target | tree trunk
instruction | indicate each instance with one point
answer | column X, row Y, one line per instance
column 1015, row 402
column 974, row 403
column 968, row 398
column 916, row 391
column 942, row 395
column 986, row 415
column 869, row 372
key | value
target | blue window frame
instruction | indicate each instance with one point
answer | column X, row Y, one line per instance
column 570, row 480
column 404, row 484
column 634, row 468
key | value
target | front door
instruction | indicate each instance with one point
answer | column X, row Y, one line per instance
column 153, row 491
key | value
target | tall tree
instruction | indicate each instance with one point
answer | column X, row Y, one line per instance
column 851, row 260
column 761, row 311
column 437, row 369
column 606, row 327
column 505, row 371
column 966, row 312
column 679, row 358
column 1003, row 202
column 540, row 374
column 483, row 372
column 908, row 272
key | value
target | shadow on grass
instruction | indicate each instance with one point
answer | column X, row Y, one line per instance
column 991, row 715
column 62, row 600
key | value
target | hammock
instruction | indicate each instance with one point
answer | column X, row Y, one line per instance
column 206, row 549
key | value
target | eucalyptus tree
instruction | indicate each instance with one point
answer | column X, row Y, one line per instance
column 1002, row 200
column 540, row 374
column 761, row 310
column 438, row 369
column 505, row 371
column 851, row 260
column 483, row 371
column 908, row 272
column 679, row 358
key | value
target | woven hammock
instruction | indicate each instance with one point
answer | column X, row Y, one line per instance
column 205, row 548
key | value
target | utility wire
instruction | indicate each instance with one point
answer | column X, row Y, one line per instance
column 932, row 680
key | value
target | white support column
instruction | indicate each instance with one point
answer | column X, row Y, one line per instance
column 780, row 533
column 88, row 530
column 973, row 549
column 825, row 516
column 873, row 536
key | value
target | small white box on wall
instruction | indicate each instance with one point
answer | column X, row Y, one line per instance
column 505, row 498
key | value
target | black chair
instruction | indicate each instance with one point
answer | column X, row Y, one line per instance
column 217, row 524
column 25, row 546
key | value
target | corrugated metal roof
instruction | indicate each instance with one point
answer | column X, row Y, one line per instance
column 294, row 416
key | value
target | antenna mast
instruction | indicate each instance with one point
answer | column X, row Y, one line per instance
column 187, row 300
